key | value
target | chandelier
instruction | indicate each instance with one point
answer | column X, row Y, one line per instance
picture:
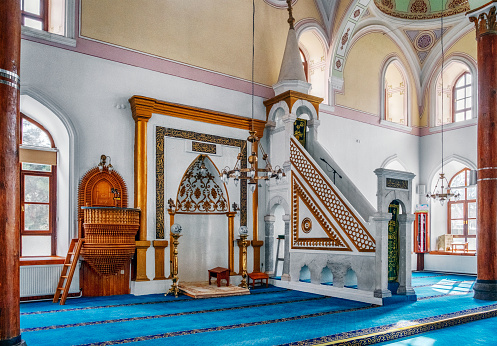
column 252, row 173
column 442, row 193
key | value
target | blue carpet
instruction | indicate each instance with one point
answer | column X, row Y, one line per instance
column 266, row 316
column 474, row 333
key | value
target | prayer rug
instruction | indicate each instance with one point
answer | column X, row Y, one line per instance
column 204, row 290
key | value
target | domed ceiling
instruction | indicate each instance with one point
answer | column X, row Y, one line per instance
column 421, row 9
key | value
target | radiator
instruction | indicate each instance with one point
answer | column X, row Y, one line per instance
column 42, row 280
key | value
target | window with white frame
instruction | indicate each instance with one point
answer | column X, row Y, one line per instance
column 457, row 94
column 51, row 20
column 461, row 213
column 38, row 159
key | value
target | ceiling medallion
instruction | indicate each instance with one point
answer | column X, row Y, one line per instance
column 425, row 40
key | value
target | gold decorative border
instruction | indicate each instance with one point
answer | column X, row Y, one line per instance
column 162, row 132
column 335, row 241
column 362, row 245
column 391, row 332
column 204, row 147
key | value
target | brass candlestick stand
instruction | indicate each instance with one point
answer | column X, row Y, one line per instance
column 243, row 236
column 175, row 233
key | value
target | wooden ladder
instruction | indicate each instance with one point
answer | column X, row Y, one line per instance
column 65, row 278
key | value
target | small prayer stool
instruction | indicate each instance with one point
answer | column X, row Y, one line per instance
column 257, row 276
column 219, row 273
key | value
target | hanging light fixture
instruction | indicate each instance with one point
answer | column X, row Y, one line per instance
column 252, row 173
column 103, row 163
column 442, row 192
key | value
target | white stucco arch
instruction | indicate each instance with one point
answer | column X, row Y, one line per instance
column 42, row 109
column 394, row 158
column 303, row 106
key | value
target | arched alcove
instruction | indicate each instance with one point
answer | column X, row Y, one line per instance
column 350, row 279
column 201, row 206
column 305, row 274
column 326, row 277
column 395, row 93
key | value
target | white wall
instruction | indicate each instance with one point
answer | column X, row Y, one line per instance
column 359, row 149
column 89, row 91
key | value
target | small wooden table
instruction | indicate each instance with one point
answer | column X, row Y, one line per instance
column 219, row 273
column 257, row 276
column 463, row 246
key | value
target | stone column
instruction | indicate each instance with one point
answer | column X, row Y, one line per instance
column 405, row 247
column 288, row 120
column 486, row 37
column 380, row 224
column 286, row 262
column 312, row 135
column 269, row 244
column 10, row 45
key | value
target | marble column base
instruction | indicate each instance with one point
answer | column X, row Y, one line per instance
column 485, row 289
column 285, row 277
column 406, row 291
column 382, row 293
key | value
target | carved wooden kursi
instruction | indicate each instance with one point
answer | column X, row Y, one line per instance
column 95, row 191
column 109, row 237
column 109, row 229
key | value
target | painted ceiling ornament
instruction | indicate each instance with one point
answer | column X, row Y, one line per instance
column 199, row 192
column 419, row 6
column 388, row 4
column 421, row 9
column 345, row 38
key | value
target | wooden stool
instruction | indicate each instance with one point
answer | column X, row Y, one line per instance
column 257, row 276
column 219, row 273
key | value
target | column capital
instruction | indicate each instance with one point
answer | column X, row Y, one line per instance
column 269, row 218
column 289, row 118
column 484, row 18
column 287, row 218
column 141, row 108
column 407, row 218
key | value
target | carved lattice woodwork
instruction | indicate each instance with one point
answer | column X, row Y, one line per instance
column 109, row 228
column 95, row 190
column 334, row 241
column 342, row 214
column 109, row 238
column 200, row 193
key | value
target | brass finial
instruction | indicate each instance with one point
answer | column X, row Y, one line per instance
column 291, row 20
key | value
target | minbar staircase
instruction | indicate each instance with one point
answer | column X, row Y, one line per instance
column 65, row 277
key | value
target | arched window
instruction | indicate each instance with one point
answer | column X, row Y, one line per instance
column 462, row 98
column 461, row 214
column 395, row 95
column 38, row 157
column 457, row 94
column 304, row 64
